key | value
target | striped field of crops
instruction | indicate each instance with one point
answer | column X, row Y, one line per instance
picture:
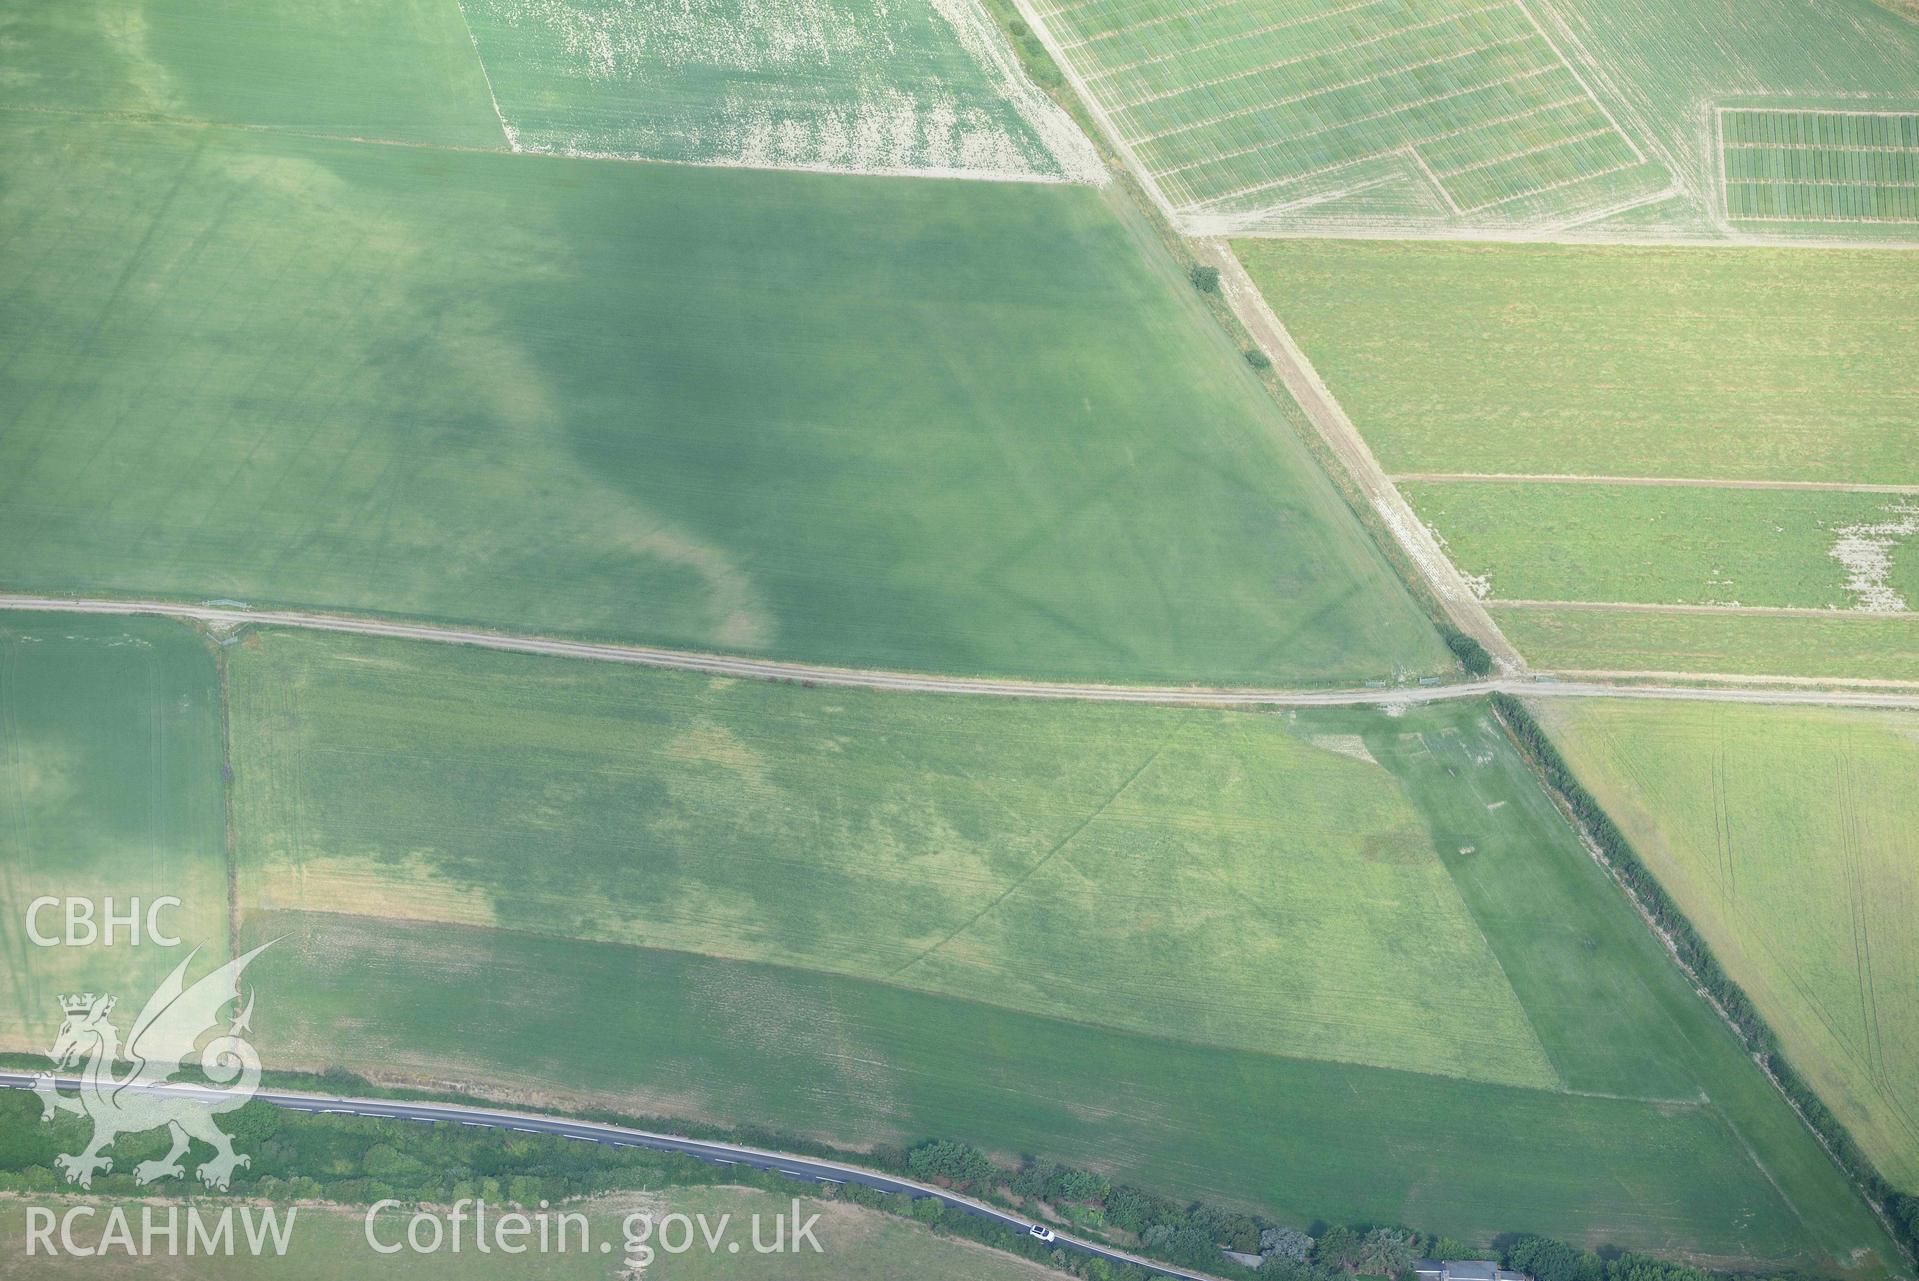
column 1247, row 107
column 1820, row 166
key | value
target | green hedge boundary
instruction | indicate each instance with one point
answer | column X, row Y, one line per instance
column 1899, row 1210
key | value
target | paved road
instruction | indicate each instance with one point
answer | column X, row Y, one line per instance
column 768, row 669
column 806, row 1169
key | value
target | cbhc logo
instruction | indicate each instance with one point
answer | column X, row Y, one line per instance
column 85, row 926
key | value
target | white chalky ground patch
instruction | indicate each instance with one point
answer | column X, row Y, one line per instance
column 1346, row 745
column 1865, row 551
column 785, row 84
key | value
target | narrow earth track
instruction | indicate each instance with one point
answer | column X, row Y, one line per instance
column 1673, row 482
column 916, row 683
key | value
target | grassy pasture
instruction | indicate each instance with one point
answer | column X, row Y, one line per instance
column 109, row 786
column 328, row 1244
column 901, row 424
column 1782, row 836
column 1749, row 364
column 1669, row 545
column 1242, row 880
column 1578, row 639
column 922, row 86
column 693, row 839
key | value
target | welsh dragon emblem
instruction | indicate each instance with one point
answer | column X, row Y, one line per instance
column 164, row 1038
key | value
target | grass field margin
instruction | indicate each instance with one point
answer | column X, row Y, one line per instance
column 1897, row 1211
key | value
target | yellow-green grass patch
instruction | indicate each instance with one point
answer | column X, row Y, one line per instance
column 1708, row 643
column 1680, row 545
column 1787, row 836
column 1763, row 364
column 1249, row 880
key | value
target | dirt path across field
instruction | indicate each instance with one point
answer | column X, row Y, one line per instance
column 1682, row 482
column 1643, row 607
column 227, row 617
column 1458, row 599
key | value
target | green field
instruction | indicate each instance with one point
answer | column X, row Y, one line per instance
column 1673, row 65
column 924, row 86
column 1678, row 545
column 1574, row 638
column 920, row 87
column 109, row 786
column 1745, row 364
column 1449, row 116
column 329, row 1244
column 1238, row 880
column 1820, row 166
column 1537, row 362
column 740, row 962
column 878, row 422
column 1238, row 109
column 400, row 70
column 1785, row 839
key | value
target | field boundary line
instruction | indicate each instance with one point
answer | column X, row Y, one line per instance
column 1155, row 191
column 1559, row 53
column 1624, row 206
column 1199, row 222
column 1888, row 683
column 1215, row 43
column 1310, row 392
column 512, row 139
column 1719, row 140
column 1326, row 197
column 1814, row 111
column 1339, row 87
column 1438, row 185
column 1304, row 57
column 1826, row 182
column 1211, row 8
column 1358, row 120
column 1555, row 186
column 1020, row 881
column 1827, row 218
column 1367, row 119
column 1646, row 607
column 1215, row 697
column 1555, row 145
column 1683, row 482
column 1817, row 146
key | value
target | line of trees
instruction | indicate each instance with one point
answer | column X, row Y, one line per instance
column 1197, row 1235
column 1901, row 1208
column 360, row 1160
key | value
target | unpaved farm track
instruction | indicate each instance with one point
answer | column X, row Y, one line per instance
column 1680, row 482
column 1458, row 599
column 915, row 683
